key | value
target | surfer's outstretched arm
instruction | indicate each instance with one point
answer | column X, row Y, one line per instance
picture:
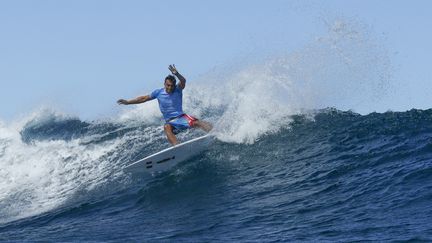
column 174, row 71
column 138, row 100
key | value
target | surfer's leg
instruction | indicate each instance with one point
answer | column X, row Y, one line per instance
column 170, row 134
column 206, row 126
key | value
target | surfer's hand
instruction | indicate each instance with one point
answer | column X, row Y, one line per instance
column 173, row 69
column 122, row 102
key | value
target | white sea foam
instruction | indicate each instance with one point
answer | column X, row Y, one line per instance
column 43, row 175
column 346, row 69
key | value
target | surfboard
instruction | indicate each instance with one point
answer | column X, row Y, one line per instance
column 167, row 158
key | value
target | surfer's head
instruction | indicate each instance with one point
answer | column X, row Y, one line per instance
column 170, row 83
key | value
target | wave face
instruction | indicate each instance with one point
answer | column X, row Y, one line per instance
column 324, row 176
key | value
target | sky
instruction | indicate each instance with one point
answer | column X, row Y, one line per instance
column 81, row 56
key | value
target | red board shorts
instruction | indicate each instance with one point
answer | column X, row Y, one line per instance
column 182, row 122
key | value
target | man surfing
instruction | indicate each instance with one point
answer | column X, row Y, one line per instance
column 170, row 100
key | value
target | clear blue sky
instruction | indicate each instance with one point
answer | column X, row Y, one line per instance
column 81, row 56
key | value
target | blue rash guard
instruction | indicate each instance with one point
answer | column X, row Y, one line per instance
column 169, row 104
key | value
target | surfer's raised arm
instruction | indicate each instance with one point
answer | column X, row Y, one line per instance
column 174, row 71
column 138, row 100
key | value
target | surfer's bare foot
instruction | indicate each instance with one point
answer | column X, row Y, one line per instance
column 206, row 126
column 170, row 134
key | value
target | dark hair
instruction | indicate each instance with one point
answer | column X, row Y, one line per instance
column 171, row 78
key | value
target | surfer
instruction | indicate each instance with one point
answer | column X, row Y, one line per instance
column 170, row 100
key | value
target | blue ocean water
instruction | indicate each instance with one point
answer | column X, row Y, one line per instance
column 328, row 176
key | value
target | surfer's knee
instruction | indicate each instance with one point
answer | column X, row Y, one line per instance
column 168, row 127
column 203, row 125
column 197, row 123
column 209, row 125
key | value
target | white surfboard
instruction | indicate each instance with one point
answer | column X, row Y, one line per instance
column 167, row 158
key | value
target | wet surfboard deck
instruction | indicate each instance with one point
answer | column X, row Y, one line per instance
column 168, row 158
